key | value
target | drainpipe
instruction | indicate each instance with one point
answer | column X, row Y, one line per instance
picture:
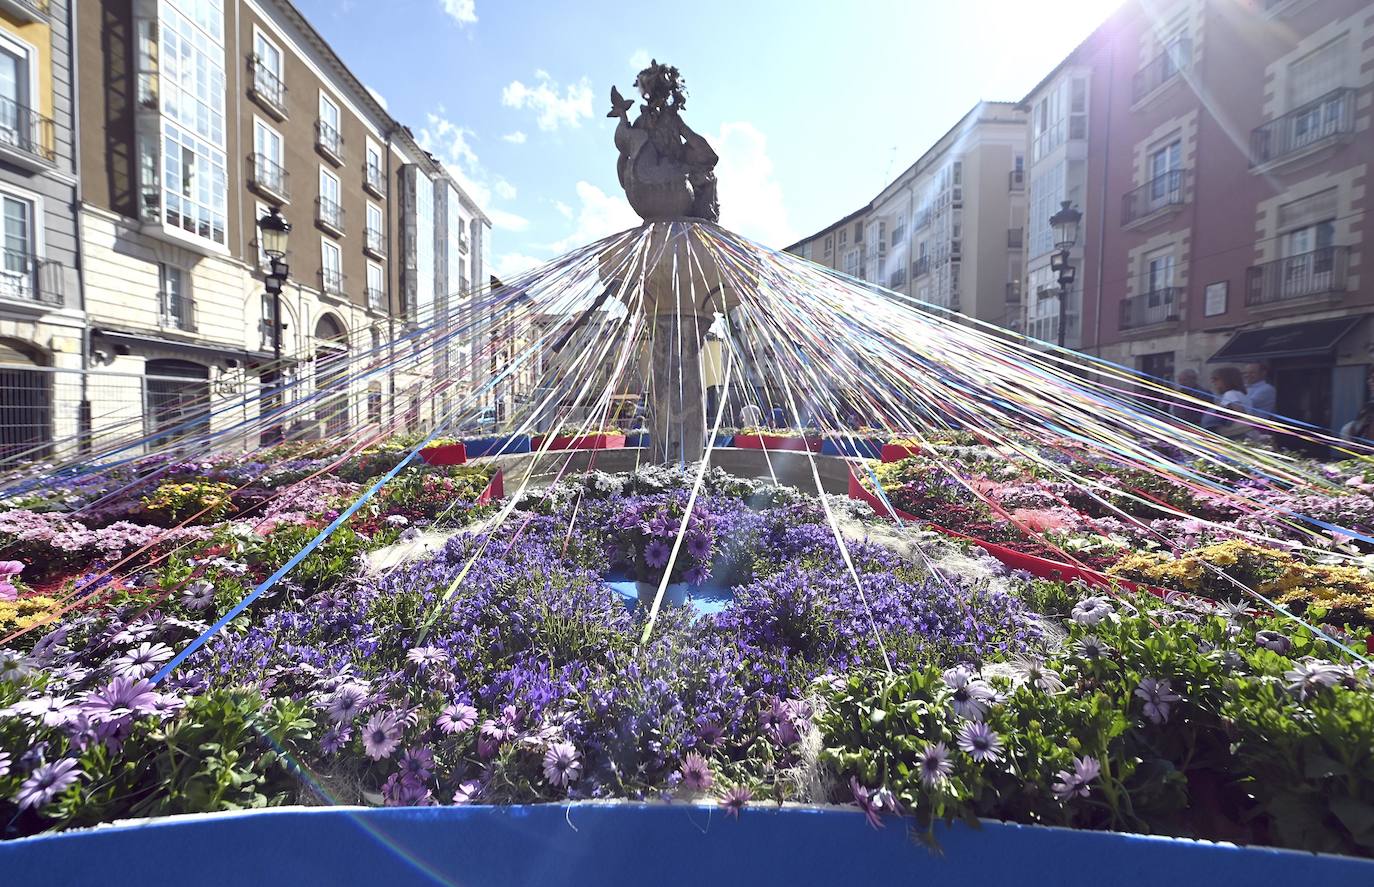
column 1102, row 215
column 84, row 428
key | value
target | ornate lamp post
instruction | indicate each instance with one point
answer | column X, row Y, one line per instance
column 1065, row 225
column 273, row 231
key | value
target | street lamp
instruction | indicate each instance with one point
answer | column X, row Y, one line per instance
column 272, row 232
column 1065, row 225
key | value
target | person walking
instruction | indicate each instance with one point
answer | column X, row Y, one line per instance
column 1263, row 396
column 1229, row 387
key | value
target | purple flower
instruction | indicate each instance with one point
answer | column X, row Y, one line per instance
column 198, row 595
column 971, row 696
column 735, row 800
column 1091, row 647
column 1309, row 678
column 934, row 764
column 424, row 657
column 346, row 703
column 873, row 802
column 47, row 782
column 121, row 698
column 695, row 575
column 1031, row 672
column 696, row 773
column 561, row 764
column 50, row 711
column 381, row 736
column 1272, row 640
column 418, row 762
column 699, row 546
column 467, row 791
column 1085, row 770
column 141, row 661
column 709, row 734
column 457, row 718
column 1091, row 610
column 404, row 790
column 656, row 553
column 1158, row 696
column 4, row 763
column 335, row 738
column 978, row 741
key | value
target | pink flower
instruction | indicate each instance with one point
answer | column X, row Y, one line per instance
column 10, row 568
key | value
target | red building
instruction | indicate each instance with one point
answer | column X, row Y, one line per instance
column 1220, row 151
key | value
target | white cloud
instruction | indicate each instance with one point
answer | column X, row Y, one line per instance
column 554, row 105
column 515, row 138
column 506, row 221
column 508, row 266
column 750, row 198
column 464, row 12
column 598, row 214
column 563, row 209
column 452, row 144
column 640, row 60
column 504, row 189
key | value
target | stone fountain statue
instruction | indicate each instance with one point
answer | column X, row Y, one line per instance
column 666, row 169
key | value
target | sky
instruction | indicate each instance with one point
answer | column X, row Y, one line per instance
column 812, row 106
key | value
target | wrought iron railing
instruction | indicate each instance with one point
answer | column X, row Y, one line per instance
column 27, row 278
column 328, row 212
column 329, row 138
column 266, row 85
column 1162, row 68
column 1308, row 126
column 177, row 310
column 372, row 178
column 376, row 298
column 1159, row 305
column 332, row 281
column 920, row 266
column 1159, row 193
column 1317, row 273
column 266, row 174
column 372, row 241
column 26, row 130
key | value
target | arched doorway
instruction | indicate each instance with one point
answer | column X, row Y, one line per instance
column 331, row 374
column 25, row 404
column 176, row 399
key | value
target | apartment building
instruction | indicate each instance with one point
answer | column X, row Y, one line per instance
column 949, row 229
column 201, row 115
column 41, row 325
column 1220, row 151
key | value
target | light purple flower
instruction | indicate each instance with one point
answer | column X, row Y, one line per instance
column 141, row 661
column 346, row 703
column 695, row 575
column 934, row 764
column 4, row 763
column 699, row 546
column 561, row 764
column 457, row 718
column 979, row 741
column 198, row 595
column 696, row 773
column 1309, row 678
column 1085, row 770
column 122, row 697
column 656, row 553
column 425, row 657
column 1091, row 610
column 381, row 736
column 736, row 799
column 47, row 782
column 467, row 791
column 873, row 802
column 14, row 666
column 418, row 762
column 1158, row 696
column 972, row 697
column 50, row 711
column 335, row 738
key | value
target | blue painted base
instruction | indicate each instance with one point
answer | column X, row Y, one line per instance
column 633, row 845
column 863, row 449
column 497, row 446
column 705, row 600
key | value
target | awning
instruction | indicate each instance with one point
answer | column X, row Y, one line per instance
column 189, row 349
column 1314, row 338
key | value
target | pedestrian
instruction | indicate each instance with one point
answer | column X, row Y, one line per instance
column 1229, row 387
column 1362, row 426
column 1188, row 383
column 1263, row 396
column 751, row 416
column 779, row 418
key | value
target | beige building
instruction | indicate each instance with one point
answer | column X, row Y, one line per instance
column 948, row 230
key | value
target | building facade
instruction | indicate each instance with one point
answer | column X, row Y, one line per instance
column 949, row 229
column 41, row 319
column 1220, row 152
column 201, row 115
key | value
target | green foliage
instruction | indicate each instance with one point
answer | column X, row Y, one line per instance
column 335, row 559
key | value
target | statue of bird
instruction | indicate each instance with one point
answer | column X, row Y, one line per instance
column 620, row 106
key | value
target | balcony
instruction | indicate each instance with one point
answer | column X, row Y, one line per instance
column 1318, row 275
column 1016, row 180
column 332, row 282
column 376, row 298
column 1306, row 130
column 26, row 10
column 266, row 88
column 329, row 142
column 373, row 181
column 177, row 311
column 1158, row 306
column 329, row 216
column 374, row 244
column 27, row 138
column 1161, row 70
column 920, row 266
column 31, row 281
column 1158, row 198
column 268, row 178
column 1016, row 238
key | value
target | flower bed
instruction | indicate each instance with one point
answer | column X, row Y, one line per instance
column 851, row 447
column 499, row 667
column 755, row 439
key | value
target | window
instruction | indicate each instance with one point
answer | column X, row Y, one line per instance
column 176, row 306
column 844, row 236
column 16, row 282
column 829, row 243
column 1159, row 270
column 374, row 225
column 331, row 213
column 269, row 310
column 376, row 289
column 17, row 125
column 269, row 57
column 178, row 399
column 851, row 263
column 958, row 173
column 1159, row 365
column 372, row 170
column 329, row 112
column 1166, row 159
column 858, row 231
column 1317, row 73
column 331, row 267
column 330, row 131
column 260, row 210
column 1078, row 108
column 267, row 166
